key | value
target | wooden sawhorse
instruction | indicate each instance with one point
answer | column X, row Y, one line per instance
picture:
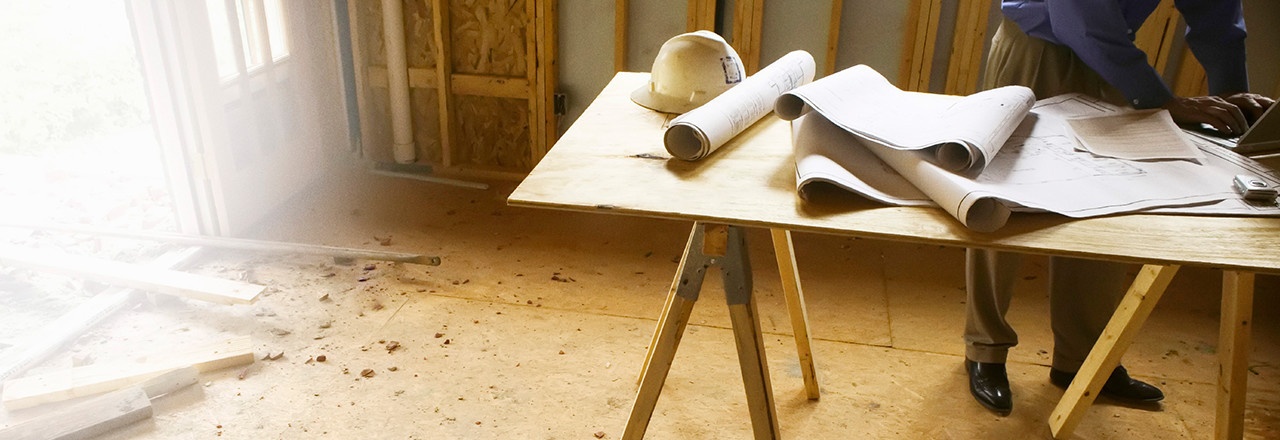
column 710, row 245
column 1234, row 336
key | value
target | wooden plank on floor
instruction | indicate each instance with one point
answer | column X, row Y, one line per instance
column 48, row 339
column 141, row 277
column 88, row 419
column 246, row 244
column 171, row 381
column 92, row 379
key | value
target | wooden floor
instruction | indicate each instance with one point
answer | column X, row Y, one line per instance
column 536, row 324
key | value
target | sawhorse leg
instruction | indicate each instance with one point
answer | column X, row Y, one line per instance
column 707, row 246
column 1132, row 312
column 1233, row 353
column 787, row 269
column 786, row 254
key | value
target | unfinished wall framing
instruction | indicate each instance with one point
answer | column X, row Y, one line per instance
column 975, row 20
column 489, row 111
column 961, row 29
column 746, row 34
column 968, row 47
column 481, row 76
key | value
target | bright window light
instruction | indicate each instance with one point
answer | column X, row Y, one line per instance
column 220, row 27
column 253, row 58
column 276, row 30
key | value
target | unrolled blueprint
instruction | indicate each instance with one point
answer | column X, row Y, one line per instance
column 961, row 134
column 1037, row 169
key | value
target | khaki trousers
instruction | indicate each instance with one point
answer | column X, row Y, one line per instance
column 1082, row 293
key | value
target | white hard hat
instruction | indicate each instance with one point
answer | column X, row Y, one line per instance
column 689, row 70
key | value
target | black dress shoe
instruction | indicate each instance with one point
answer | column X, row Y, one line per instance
column 1119, row 386
column 989, row 384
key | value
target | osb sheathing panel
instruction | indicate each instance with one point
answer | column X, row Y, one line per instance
column 488, row 36
column 492, row 133
column 420, row 44
column 369, row 17
column 419, row 30
column 420, row 49
column 426, row 125
column 375, row 119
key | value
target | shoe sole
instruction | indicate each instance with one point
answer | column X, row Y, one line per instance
column 1002, row 412
column 1112, row 396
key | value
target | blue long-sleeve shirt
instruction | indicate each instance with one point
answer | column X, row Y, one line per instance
column 1101, row 33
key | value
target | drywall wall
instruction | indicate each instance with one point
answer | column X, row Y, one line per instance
column 586, row 38
column 798, row 25
column 586, row 52
column 1263, row 43
column 652, row 23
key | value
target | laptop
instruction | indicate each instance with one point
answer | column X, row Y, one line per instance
column 1262, row 138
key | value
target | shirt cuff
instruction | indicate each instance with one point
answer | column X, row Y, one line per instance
column 1145, row 94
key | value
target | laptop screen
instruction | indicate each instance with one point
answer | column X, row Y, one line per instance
column 1263, row 136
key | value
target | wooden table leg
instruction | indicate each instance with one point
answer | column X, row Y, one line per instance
column 736, row 269
column 1132, row 312
column 786, row 255
column 1233, row 353
column 675, row 316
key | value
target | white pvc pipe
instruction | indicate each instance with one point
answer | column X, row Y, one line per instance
column 398, row 81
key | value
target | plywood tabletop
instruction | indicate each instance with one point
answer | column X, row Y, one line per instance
column 612, row 161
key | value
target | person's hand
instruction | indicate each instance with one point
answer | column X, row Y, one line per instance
column 1252, row 104
column 1223, row 116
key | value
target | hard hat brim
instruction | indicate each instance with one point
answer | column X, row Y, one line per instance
column 660, row 103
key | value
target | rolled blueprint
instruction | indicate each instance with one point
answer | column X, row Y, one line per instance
column 697, row 133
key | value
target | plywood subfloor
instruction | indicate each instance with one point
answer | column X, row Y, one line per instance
column 536, row 324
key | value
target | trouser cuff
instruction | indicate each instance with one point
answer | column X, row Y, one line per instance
column 1061, row 363
column 986, row 355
